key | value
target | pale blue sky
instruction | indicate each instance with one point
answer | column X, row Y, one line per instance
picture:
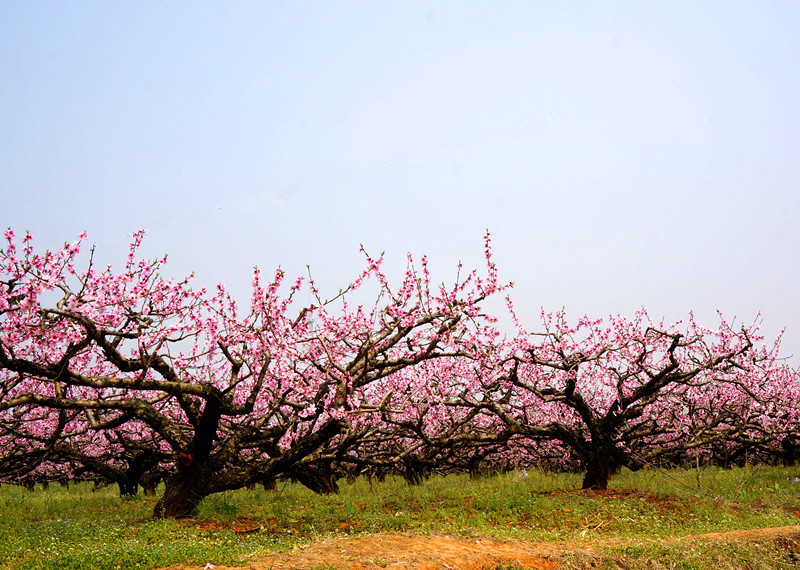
column 622, row 154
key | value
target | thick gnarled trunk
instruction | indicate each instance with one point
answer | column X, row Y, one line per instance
column 183, row 493
column 597, row 473
column 193, row 480
column 600, row 465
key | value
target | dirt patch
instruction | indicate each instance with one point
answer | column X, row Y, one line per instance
column 397, row 552
column 434, row 552
column 392, row 551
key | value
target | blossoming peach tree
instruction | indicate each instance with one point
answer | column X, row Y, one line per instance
column 97, row 364
column 629, row 391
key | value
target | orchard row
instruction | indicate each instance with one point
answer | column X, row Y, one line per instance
column 131, row 377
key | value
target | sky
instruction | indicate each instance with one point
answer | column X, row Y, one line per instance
column 622, row 155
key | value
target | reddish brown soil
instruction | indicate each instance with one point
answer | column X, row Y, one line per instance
column 433, row 552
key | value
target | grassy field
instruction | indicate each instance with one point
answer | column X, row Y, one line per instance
column 80, row 528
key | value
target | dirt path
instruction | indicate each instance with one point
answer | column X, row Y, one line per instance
column 435, row 552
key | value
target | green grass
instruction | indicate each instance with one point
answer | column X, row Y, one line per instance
column 79, row 528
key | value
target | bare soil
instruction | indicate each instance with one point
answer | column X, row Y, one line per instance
column 435, row 552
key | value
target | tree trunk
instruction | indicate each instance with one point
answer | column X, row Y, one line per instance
column 193, row 480
column 127, row 488
column 318, row 478
column 789, row 452
column 474, row 464
column 598, row 469
column 182, row 494
column 149, row 483
column 414, row 473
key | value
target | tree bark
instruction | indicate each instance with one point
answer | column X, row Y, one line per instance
column 319, row 479
column 183, row 493
column 414, row 472
column 789, row 451
column 599, row 467
column 149, row 483
column 127, row 488
column 269, row 483
column 192, row 481
column 596, row 477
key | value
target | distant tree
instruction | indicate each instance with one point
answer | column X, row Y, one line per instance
column 627, row 392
